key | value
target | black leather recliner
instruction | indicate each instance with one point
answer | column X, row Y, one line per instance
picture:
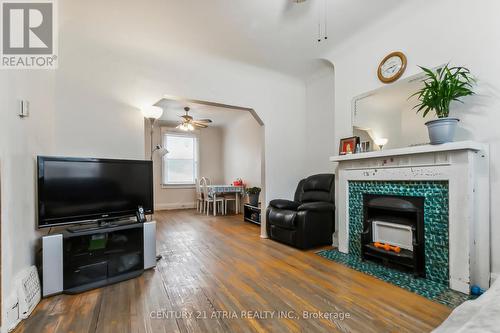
column 309, row 220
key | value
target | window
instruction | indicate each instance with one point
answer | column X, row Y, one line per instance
column 180, row 165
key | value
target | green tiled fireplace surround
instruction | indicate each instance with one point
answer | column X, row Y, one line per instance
column 435, row 219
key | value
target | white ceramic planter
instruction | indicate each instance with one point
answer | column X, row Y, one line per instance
column 442, row 130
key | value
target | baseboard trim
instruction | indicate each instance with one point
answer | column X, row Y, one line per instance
column 177, row 205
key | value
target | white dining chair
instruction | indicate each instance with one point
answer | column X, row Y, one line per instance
column 215, row 201
column 230, row 197
column 203, row 182
column 199, row 195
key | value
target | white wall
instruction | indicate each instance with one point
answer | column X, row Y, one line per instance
column 242, row 142
column 20, row 141
column 212, row 154
column 464, row 32
column 320, row 141
column 211, row 166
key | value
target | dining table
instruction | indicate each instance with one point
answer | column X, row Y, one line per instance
column 214, row 190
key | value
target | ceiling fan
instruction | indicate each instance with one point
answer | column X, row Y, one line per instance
column 188, row 123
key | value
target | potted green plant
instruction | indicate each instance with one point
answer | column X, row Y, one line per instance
column 441, row 87
column 253, row 195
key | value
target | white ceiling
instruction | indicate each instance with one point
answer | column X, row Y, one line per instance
column 277, row 34
column 221, row 116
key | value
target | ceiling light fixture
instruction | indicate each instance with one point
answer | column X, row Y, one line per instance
column 186, row 127
column 188, row 123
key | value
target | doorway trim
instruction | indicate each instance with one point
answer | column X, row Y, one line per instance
column 263, row 232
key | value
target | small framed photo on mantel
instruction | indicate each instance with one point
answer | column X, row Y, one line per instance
column 348, row 145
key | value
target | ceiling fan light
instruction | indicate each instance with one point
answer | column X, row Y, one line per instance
column 190, row 127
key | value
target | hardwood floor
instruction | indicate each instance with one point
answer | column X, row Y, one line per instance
column 220, row 267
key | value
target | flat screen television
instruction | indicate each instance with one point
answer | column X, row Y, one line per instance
column 79, row 190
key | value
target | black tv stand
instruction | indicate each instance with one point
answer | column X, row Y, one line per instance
column 88, row 258
column 102, row 255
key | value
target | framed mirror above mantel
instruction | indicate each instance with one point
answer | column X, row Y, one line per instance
column 387, row 112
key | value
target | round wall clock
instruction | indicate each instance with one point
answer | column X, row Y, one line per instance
column 392, row 67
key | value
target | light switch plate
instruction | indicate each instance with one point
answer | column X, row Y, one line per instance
column 24, row 108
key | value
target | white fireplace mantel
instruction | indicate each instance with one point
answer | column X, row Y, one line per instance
column 422, row 149
column 465, row 166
